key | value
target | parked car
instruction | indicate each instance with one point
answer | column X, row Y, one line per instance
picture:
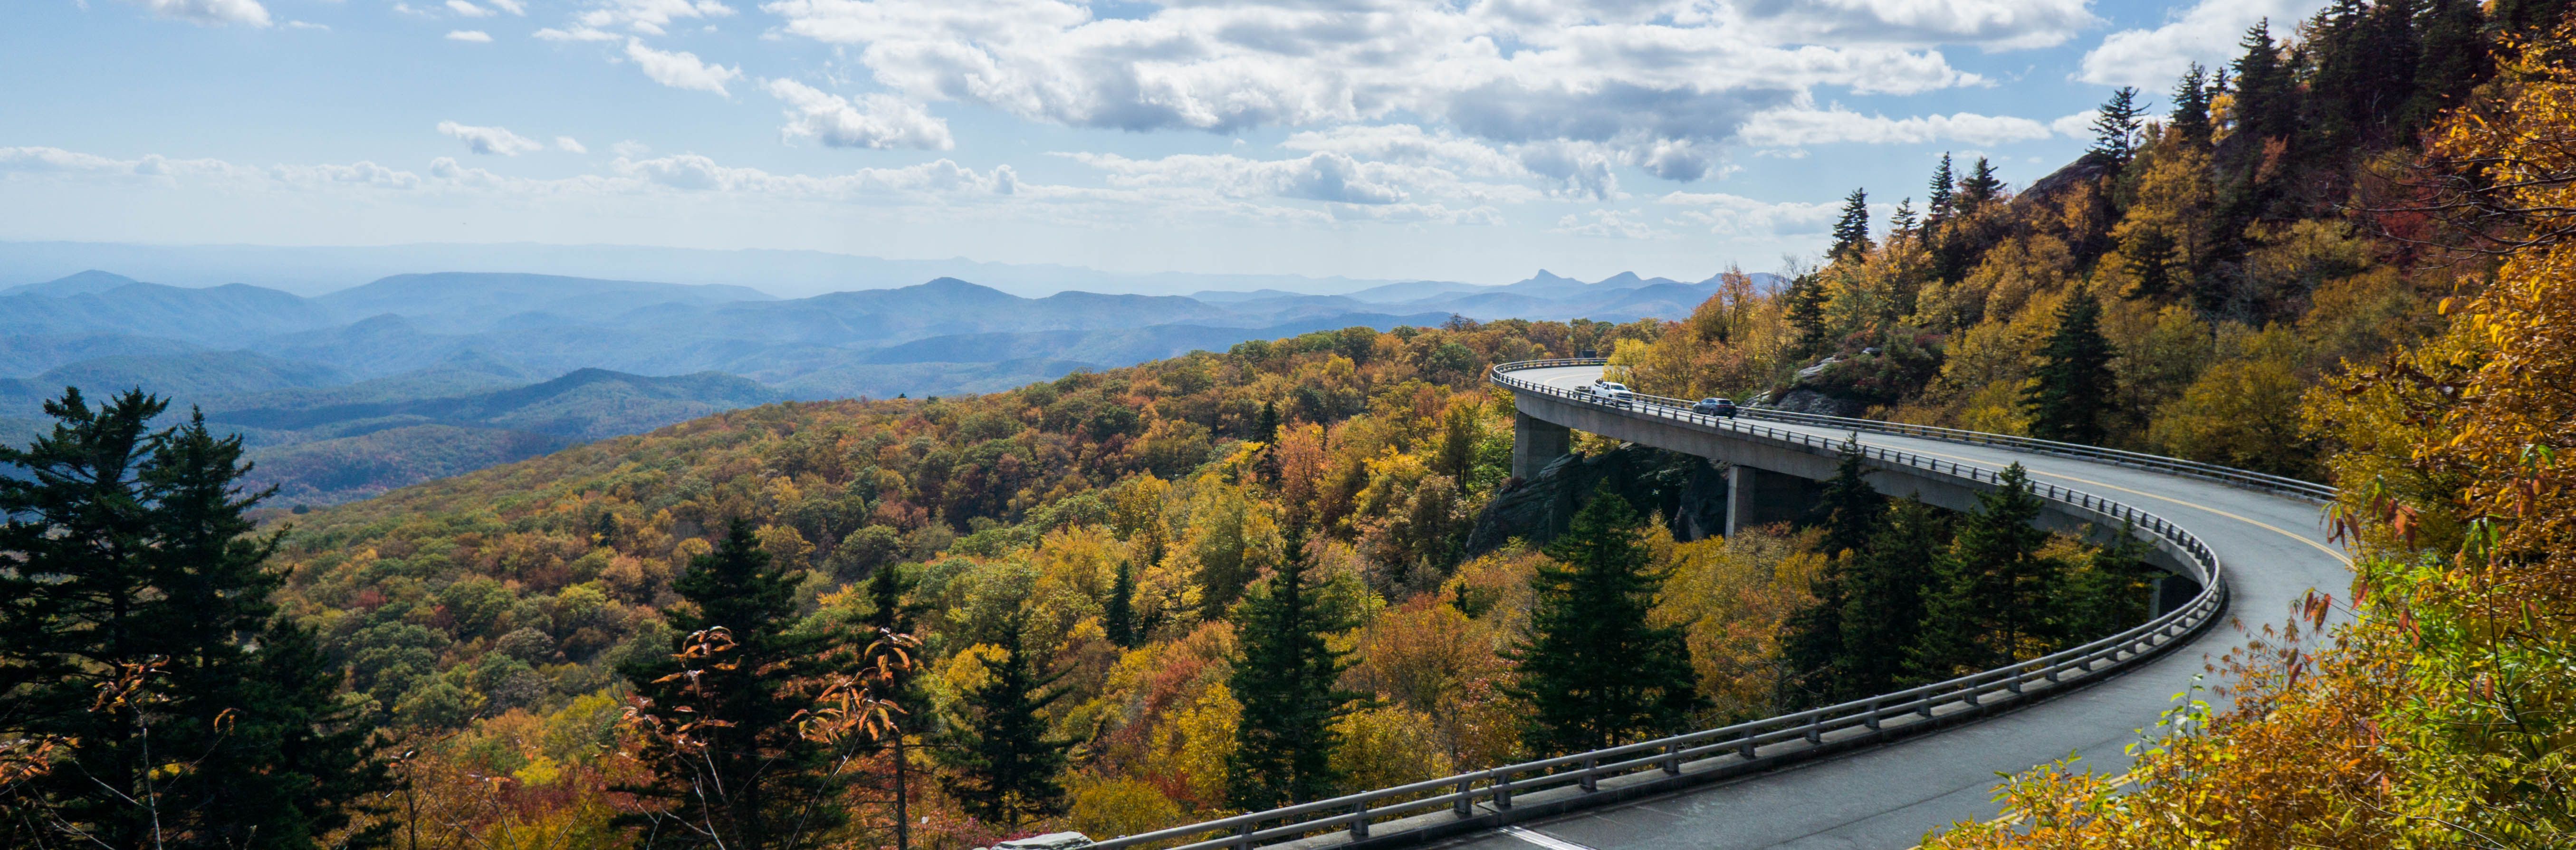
column 1715, row 407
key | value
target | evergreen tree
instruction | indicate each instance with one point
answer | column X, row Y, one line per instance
column 1010, row 770
column 2115, row 129
column 1851, row 509
column 1903, row 222
column 2108, row 592
column 1593, row 671
column 1981, row 187
column 1988, row 605
column 1851, row 233
column 1266, row 429
column 757, row 782
column 1118, row 616
column 2072, row 390
column 1811, row 641
column 1944, row 199
column 2455, row 60
column 1806, row 314
column 1882, row 590
column 2264, row 106
column 1284, row 676
column 2190, row 117
column 136, row 574
column 2531, row 18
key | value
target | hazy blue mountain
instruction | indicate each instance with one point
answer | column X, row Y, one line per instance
column 918, row 380
column 320, row 269
column 476, row 300
column 1122, row 346
column 1397, row 293
column 28, row 354
column 90, row 282
column 229, row 315
column 187, row 377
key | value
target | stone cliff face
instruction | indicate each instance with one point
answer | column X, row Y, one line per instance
column 1688, row 492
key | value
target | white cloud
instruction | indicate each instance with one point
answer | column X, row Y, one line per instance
column 569, row 144
column 511, row 6
column 1659, row 84
column 490, row 140
column 307, row 25
column 630, row 149
column 248, row 12
column 681, row 69
column 1610, row 224
column 2152, row 59
column 1735, row 215
column 468, row 10
column 476, row 36
column 2076, row 126
column 873, row 121
column 649, row 17
column 575, row 34
column 1808, row 126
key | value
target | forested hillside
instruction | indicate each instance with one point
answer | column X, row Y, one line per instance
column 1132, row 598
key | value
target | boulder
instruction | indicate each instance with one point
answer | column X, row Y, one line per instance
column 1804, row 400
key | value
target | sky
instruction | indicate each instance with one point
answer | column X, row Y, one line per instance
column 1473, row 140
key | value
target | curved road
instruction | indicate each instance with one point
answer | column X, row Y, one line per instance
column 2274, row 550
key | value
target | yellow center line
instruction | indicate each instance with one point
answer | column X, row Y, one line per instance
column 2330, row 552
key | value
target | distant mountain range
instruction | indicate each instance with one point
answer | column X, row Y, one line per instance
column 411, row 376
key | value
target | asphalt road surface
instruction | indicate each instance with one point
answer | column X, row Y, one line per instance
column 2274, row 551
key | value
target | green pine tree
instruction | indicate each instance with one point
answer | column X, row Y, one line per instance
column 1851, row 232
column 1265, row 430
column 2072, row 389
column 2265, row 103
column 1811, row 640
column 1806, row 314
column 138, row 574
column 1850, row 510
column 1009, row 767
column 1882, row 596
column 1118, row 615
column 2109, row 591
column 1944, row 199
column 1284, row 676
column 1593, row 671
column 1982, row 187
column 757, row 782
column 1989, row 604
column 2190, row 116
column 2116, row 126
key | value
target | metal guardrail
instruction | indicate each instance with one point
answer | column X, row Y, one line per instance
column 2246, row 478
column 1495, row 797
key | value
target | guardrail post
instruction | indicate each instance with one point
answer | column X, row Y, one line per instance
column 1744, row 747
column 1502, row 791
column 1591, row 781
column 1871, row 719
column 1816, row 730
column 1359, row 819
column 1466, row 804
column 1243, row 836
column 1673, row 759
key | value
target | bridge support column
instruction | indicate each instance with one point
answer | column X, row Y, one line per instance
column 1537, row 443
column 1756, row 496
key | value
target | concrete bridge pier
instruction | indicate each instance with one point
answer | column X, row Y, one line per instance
column 1536, row 443
column 1756, row 496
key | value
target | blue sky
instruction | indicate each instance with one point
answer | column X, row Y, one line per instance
column 1467, row 139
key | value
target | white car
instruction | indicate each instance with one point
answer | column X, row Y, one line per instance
column 1610, row 391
